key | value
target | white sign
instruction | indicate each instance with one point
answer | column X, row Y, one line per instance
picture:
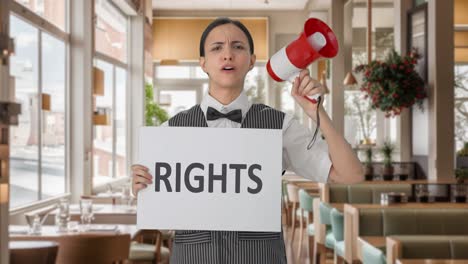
column 211, row 179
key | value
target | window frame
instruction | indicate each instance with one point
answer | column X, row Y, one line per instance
column 114, row 62
column 42, row 25
column 462, row 64
column 191, row 83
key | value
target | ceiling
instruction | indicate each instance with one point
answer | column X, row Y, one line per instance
column 232, row 4
column 251, row 4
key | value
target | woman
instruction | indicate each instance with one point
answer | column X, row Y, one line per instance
column 227, row 55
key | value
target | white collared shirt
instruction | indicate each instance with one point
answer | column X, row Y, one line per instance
column 314, row 164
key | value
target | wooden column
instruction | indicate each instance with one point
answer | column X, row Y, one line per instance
column 337, row 67
column 81, row 93
column 9, row 111
column 369, row 31
column 441, row 91
column 401, row 8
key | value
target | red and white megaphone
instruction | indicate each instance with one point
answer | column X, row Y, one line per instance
column 316, row 41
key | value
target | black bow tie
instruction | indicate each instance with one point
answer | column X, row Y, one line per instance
column 234, row 115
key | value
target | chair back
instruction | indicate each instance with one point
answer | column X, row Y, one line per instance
column 337, row 223
column 42, row 252
column 306, row 201
column 284, row 191
column 93, row 248
column 89, row 248
column 324, row 211
column 293, row 193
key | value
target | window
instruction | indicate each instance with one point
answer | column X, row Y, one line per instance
column 461, row 105
column 179, row 87
column 361, row 121
column 38, row 149
column 51, row 10
column 110, row 140
column 110, row 30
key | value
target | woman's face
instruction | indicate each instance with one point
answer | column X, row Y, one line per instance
column 227, row 57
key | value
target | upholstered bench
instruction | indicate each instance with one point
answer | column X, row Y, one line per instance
column 366, row 193
column 427, row 247
column 405, row 221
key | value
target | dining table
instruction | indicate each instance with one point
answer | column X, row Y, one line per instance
column 102, row 214
column 23, row 232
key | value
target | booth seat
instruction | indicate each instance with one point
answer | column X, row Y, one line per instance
column 427, row 247
column 412, row 222
column 364, row 193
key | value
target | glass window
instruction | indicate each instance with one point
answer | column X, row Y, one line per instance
column 461, row 105
column 109, row 145
column 24, row 147
column 37, row 150
column 173, row 72
column 110, row 30
column 120, row 122
column 52, row 10
column 255, row 84
column 178, row 100
column 103, row 134
column 360, row 119
column 177, row 97
column 53, row 120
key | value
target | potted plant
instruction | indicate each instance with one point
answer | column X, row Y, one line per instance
column 393, row 84
column 369, row 169
column 461, row 174
column 462, row 157
column 387, row 151
column 154, row 114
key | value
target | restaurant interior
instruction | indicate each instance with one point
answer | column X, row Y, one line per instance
column 79, row 79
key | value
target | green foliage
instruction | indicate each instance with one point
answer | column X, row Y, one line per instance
column 393, row 84
column 387, row 151
column 461, row 174
column 154, row 114
column 464, row 151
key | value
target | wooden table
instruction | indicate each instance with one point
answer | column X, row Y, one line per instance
column 311, row 187
column 376, row 241
column 103, row 214
column 20, row 232
column 432, row 261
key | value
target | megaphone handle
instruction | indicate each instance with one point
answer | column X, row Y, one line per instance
column 312, row 98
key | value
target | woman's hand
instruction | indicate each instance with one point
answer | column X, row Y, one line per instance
column 140, row 178
column 305, row 85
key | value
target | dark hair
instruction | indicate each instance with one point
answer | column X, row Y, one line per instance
column 222, row 21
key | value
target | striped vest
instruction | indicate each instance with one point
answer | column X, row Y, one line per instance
column 229, row 247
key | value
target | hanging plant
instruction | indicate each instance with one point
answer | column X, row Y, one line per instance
column 393, row 84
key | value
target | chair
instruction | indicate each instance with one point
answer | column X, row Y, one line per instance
column 306, row 206
column 293, row 196
column 326, row 244
column 147, row 247
column 286, row 204
column 42, row 252
column 89, row 248
column 337, row 225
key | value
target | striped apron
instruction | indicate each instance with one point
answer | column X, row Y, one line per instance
column 229, row 247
